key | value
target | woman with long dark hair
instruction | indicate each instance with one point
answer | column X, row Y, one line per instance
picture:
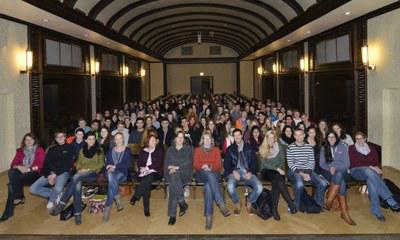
column 256, row 138
column 334, row 158
column 287, row 137
column 25, row 169
column 345, row 138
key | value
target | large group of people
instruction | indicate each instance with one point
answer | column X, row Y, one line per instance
column 210, row 139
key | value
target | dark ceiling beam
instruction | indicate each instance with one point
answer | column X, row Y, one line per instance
column 98, row 8
column 269, row 8
column 192, row 14
column 70, row 3
column 59, row 9
column 126, row 9
column 233, row 35
column 314, row 12
column 196, row 5
column 188, row 41
column 154, row 31
column 208, row 27
column 193, row 39
column 226, row 35
column 295, row 6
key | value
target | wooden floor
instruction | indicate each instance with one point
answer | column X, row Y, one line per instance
column 32, row 218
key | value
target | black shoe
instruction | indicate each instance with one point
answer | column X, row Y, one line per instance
column 396, row 208
column 293, row 210
column 147, row 213
column 78, row 220
column 172, row 221
column 4, row 218
column 276, row 215
column 57, row 209
column 381, row 218
column 133, row 200
column 183, row 207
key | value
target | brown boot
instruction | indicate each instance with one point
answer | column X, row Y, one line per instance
column 331, row 195
column 344, row 211
column 237, row 210
column 249, row 208
column 335, row 204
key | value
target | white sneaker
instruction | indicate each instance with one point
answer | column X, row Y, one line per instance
column 50, row 205
column 186, row 192
column 58, row 198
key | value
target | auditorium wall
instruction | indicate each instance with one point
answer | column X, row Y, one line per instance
column 384, row 85
column 247, row 78
column 156, row 79
column 14, row 90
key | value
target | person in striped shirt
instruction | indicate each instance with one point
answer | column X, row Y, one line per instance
column 301, row 162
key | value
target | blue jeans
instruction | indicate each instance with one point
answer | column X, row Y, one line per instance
column 74, row 188
column 41, row 187
column 339, row 178
column 298, row 186
column 253, row 182
column 114, row 179
column 376, row 187
column 212, row 190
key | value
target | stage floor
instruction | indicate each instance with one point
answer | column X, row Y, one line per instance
column 32, row 218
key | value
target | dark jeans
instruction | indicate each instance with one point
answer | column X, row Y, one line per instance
column 278, row 188
column 74, row 188
column 144, row 188
column 16, row 183
column 212, row 190
column 176, row 192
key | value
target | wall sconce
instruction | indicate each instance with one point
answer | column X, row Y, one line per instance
column 304, row 65
column 95, row 67
column 26, row 61
column 260, row 70
column 365, row 58
column 201, row 74
column 275, row 68
column 125, row 71
column 142, row 72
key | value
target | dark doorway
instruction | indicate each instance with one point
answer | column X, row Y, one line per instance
column 133, row 86
column 269, row 88
column 202, row 85
column 110, row 92
column 290, row 91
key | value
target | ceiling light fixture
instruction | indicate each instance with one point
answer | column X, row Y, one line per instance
column 347, row 13
column 45, row 20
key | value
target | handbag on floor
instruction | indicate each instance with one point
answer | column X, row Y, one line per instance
column 68, row 212
column 394, row 189
column 263, row 205
column 97, row 204
column 308, row 204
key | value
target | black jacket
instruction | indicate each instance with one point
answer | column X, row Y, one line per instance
column 59, row 159
column 232, row 156
column 169, row 136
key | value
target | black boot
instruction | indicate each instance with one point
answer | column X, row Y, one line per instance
column 275, row 214
column 57, row 209
column 172, row 221
column 183, row 207
column 147, row 213
column 9, row 211
column 133, row 200
column 78, row 219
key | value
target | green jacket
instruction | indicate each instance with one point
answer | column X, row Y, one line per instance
column 274, row 163
column 94, row 164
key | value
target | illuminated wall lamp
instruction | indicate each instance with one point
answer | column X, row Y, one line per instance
column 142, row 72
column 125, row 71
column 303, row 65
column 28, row 62
column 365, row 58
column 260, row 70
column 95, row 67
column 275, row 68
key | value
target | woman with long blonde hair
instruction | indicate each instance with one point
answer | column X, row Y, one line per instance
column 272, row 165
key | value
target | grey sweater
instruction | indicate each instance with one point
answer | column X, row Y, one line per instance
column 340, row 161
column 182, row 158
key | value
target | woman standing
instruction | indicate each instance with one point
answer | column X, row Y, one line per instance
column 117, row 165
column 90, row 161
column 207, row 166
column 25, row 170
column 334, row 159
column 272, row 161
column 150, row 164
column 178, row 173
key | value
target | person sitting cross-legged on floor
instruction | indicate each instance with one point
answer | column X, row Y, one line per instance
column 240, row 166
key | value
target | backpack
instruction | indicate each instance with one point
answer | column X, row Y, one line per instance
column 394, row 189
column 308, row 204
column 263, row 205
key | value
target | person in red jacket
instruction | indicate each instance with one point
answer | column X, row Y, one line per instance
column 207, row 167
column 25, row 169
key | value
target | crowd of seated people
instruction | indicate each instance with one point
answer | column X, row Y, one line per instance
column 207, row 138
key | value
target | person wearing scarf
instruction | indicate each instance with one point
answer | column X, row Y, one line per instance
column 272, row 168
column 26, row 168
column 117, row 164
column 90, row 161
column 207, row 167
column 287, row 137
column 150, row 165
column 334, row 160
column 364, row 166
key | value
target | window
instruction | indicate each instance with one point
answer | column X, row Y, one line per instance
column 63, row 54
column 268, row 65
column 187, row 51
column 215, row 50
column 289, row 59
column 109, row 62
column 333, row 50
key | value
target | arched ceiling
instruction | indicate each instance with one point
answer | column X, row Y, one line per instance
column 160, row 25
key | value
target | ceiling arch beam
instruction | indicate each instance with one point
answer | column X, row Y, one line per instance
column 195, row 5
column 269, row 8
column 188, row 41
column 70, row 3
column 256, row 26
column 126, row 9
column 98, row 8
column 295, row 6
column 188, row 31
column 194, row 33
column 193, row 39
